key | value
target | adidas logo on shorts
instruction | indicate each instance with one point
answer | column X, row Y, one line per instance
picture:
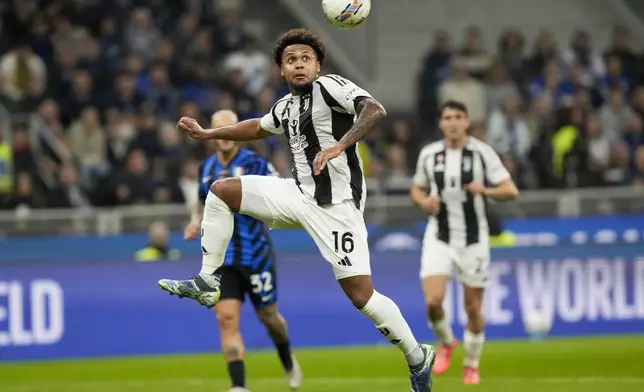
column 345, row 262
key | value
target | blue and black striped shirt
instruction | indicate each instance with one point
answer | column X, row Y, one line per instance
column 250, row 245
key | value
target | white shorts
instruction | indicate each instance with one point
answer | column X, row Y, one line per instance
column 472, row 263
column 338, row 230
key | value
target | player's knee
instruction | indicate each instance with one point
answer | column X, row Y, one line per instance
column 434, row 303
column 229, row 191
column 228, row 321
column 269, row 317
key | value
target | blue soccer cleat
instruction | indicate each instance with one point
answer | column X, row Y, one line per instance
column 194, row 288
column 421, row 380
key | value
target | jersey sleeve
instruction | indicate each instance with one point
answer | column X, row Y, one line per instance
column 495, row 172
column 420, row 176
column 202, row 187
column 342, row 93
column 271, row 120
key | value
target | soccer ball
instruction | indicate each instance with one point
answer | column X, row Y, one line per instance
column 346, row 13
column 537, row 324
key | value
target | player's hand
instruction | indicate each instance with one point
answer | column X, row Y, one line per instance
column 324, row 156
column 191, row 231
column 432, row 204
column 476, row 188
column 192, row 128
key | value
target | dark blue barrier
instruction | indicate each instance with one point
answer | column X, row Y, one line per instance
column 58, row 310
column 542, row 232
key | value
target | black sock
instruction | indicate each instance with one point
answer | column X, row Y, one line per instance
column 284, row 352
column 237, row 373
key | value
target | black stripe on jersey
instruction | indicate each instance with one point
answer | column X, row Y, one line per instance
column 323, row 191
column 471, row 219
column 338, row 79
column 439, row 178
column 287, row 134
column 340, row 125
column 275, row 118
column 237, row 244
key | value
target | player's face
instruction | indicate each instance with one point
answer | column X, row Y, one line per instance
column 454, row 123
column 224, row 146
column 300, row 65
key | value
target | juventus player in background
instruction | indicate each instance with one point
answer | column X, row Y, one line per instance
column 326, row 197
column 453, row 178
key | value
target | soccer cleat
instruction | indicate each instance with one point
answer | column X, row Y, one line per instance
column 471, row 376
column 421, row 380
column 294, row 376
column 194, row 288
column 443, row 357
column 238, row 389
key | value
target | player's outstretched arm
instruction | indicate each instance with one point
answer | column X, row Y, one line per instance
column 243, row 131
column 370, row 113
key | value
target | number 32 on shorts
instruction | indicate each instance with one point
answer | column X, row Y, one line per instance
column 262, row 282
column 343, row 242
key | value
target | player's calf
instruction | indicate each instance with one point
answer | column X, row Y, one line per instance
column 278, row 331
column 474, row 336
column 232, row 343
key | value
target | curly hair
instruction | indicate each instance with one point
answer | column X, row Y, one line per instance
column 298, row 37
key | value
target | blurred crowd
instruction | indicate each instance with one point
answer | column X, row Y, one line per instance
column 94, row 89
column 562, row 115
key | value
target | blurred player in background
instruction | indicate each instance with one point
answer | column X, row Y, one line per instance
column 450, row 184
column 322, row 119
column 249, row 267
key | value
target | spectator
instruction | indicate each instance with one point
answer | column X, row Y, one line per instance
column 621, row 48
column 160, row 94
column 68, row 193
column 132, row 184
column 434, row 71
column 548, row 84
column 140, row 34
column 581, row 52
column 475, row 57
column 614, row 114
column 461, row 87
column 614, row 78
column 545, row 50
column 507, row 130
column 398, row 179
column 80, row 95
column 86, row 140
column 638, row 175
column 253, row 63
column 68, row 38
column 540, row 120
column 499, row 87
column 511, row 47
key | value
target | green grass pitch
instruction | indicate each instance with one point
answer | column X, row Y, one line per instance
column 557, row 365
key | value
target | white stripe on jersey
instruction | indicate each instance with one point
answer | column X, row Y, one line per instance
column 445, row 172
column 315, row 121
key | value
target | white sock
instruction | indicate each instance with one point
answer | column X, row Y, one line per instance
column 443, row 330
column 216, row 230
column 473, row 344
column 386, row 315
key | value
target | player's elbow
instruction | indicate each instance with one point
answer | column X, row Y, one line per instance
column 512, row 191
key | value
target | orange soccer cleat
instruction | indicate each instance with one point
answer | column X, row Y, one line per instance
column 471, row 376
column 443, row 357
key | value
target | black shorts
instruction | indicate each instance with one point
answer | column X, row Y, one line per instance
column 239, row 281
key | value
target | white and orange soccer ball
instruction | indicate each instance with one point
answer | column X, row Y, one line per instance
column 346, row 14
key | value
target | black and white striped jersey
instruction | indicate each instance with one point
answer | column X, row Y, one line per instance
column 313, row 121
column 445, row 172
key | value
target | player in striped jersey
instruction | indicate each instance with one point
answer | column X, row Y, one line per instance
column 453, row 179
column 248, row 267
column 322, row 119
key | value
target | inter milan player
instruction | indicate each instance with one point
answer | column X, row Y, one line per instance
column 454, row 177
column 249, row 268
column 322, row 119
